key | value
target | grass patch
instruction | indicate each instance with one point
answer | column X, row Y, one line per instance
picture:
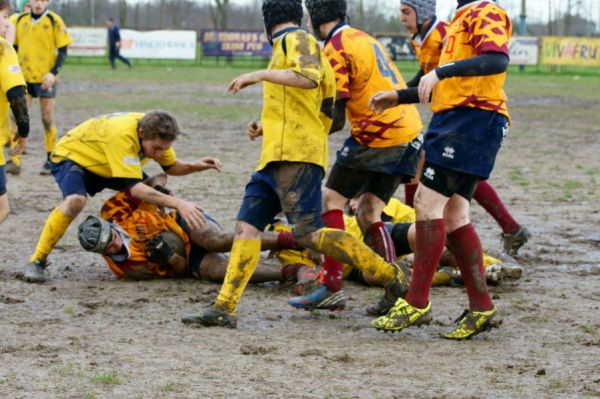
column 69, row 310
column 168, row 387
column 110, row 378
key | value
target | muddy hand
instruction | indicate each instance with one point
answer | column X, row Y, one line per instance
column 383, row 100
column 254, row 130
column 49, row 80
column 243, row 81
column 192, row 214
column 20, row 148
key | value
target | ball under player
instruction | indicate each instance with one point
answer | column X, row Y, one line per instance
column 298, row 97
column 466, row 131
column 428, row 36
column 12, row 96
column 382, row 150
column 41, row 41
column 108, row 152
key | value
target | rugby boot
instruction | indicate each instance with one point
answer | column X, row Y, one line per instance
column 46, row 170
column 494, row 274
column 402, row 315
column 212, row 317
column 35, row 272
column 392, row 291
column 12, row 168
column 308, row 280
column 320, row 298
column 514, row 241
column 471, row 323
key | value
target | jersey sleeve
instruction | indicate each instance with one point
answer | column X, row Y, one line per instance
column 62, row 37
column 303, row 55
column 490, row 30
column 339, row 62
column 168, row 158
column 10, row 71
column 123, row 159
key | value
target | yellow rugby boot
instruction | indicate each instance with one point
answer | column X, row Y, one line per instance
column 471, row 323
column 402, row 315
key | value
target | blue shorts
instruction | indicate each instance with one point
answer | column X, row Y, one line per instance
column 35, row 90
column 396, row 160
column 291, row 187
column 465, row 140
column 2, row 180
column 197, row 253
column 73, row 179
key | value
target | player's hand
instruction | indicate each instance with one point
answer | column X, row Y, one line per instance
column 208, row 163
column 158, row 250
column 20, row 148
column 243, row 81
column 426, row 85
column 383, row 100
column 191, row 214
column 49, row 80
column 254, row 129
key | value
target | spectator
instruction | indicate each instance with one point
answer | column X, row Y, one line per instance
column 114, row 44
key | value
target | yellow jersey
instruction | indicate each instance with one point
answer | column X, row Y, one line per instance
column 37, row 41
column 108, row 146
column 362, row 68
column 477, row 28
column 296, row 121
column 10, row 76
column 141, row 221
column 429, row 47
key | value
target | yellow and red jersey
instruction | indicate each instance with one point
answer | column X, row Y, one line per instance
column 429, row 47
column 141, row 221
column 10, row 76
column 362, row 68
column 295, row 126
column 478, row 27
column 37, row 41
column 108, row 146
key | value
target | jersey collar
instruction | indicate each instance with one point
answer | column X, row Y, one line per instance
column 337, row 29
column 35, row 21
column 284, row 32
column 420, row 38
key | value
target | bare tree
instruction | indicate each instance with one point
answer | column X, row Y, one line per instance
column 219, row 13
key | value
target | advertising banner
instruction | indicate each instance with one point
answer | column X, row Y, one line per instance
column 524, row 50
column 581, row 51
column 228, row 43
column 399, row 47
column 159, row 44
column 88, row 42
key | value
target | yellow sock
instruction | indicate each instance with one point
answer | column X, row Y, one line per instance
column 50, row 136
column 242, row 263
column 343, row 247
column 56, row 225
column 16, row 159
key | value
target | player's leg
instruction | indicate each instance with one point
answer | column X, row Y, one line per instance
column 47, row 103
column 122, row 59
column 14, row 165
column 4, row 207
column 112, row 56
column 213, row 267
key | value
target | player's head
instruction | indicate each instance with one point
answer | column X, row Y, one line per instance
column 4, row 12
column 39, row 6
column 414, row 13
column 277, row 12
column 110, row 22
column 97, row 235
column 323, row 11
column 23, row 5
column 158, row 130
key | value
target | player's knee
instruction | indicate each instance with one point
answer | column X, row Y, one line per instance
column 4, row 211
column 333, row 199
column 74, row 204
column 47, row 121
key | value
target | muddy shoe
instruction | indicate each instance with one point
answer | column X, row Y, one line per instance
column 212, row 317
column 402, row 315
column 514, row 241
column 471, row 323
column 394, row 290
column 308, row 280
column 12, row 168
column 494, row 274
column 46, row 170
column 320, row 298
column 35, row 272
column 512, row 271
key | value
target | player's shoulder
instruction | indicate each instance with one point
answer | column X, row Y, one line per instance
column 484, row 7
column 19, row 17
column 55, row 18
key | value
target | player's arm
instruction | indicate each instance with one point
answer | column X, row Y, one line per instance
column 489, row 63
column 18, row 106
column 414, row 82
column 339, row 116
column 160, row 252
column 285, row 77
column 181, row 168
column 50, row 77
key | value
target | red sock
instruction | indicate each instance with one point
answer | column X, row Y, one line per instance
column 466, row 248
column 486, row 196
column 409, row 194
column 286, row 240
column 431, row 237
column 333, row 270
column 379, row 240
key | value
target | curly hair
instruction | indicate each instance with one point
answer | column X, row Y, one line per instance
column 159, row 125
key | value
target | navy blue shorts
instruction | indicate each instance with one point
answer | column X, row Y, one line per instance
column 73, row 179
column 35, row 90
column 465, row 140
column 197, row 253
column 291, row 187
column 2, row 180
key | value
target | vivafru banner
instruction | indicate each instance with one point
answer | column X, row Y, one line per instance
column 228, row 43
column 583, row 51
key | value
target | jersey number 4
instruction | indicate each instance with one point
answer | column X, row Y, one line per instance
column 383, row 65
